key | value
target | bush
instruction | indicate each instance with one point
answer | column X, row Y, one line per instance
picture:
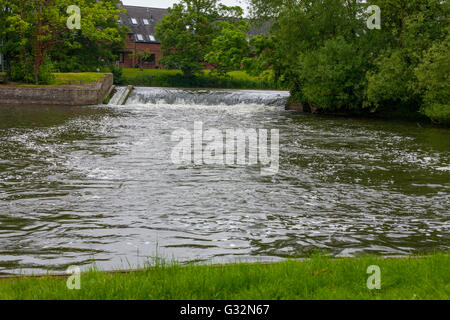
column 332, row 77
column 45, row 74
column 433, row 76
column 392, row 82
column 118, row 74
column 23, row 72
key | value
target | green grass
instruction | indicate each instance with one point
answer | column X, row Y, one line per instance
column 77, row 78
column 69, row 79
column 131, row 72
column 175, row 78
column 317, row 278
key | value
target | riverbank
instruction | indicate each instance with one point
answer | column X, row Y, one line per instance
column 175, row 78
column 399, row 112
column 66, row 89
column 319, row 277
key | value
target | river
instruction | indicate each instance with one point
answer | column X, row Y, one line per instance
column 96, row 183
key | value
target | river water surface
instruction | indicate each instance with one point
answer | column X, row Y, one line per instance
column 96, row 183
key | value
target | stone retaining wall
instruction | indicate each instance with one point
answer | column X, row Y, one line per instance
column 83, row 94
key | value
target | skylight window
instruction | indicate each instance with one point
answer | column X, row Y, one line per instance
column 139, row 37
column 145, row 22
column 134, row 21
column 151, row 37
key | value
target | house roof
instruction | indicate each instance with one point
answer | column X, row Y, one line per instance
column 153, row 16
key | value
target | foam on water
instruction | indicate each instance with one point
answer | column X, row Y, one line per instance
column 207, row 97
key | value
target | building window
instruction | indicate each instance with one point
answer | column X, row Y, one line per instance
column 145, row 21
column 139, row 37
column 151, row 59
column 134, row 21
column 151, row 37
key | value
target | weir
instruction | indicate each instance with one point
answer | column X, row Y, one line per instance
column 209, row 97
column 119, row 98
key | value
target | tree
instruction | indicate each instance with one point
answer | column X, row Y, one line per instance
column 230, row 47
column 410, row 28
column 330, row 58
column 433, row 75
column 332, row 76
column 187, row 33
column 96, row 44
column 299, row 27
column 41, row 25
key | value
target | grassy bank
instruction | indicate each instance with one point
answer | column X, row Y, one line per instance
column 66, row 79
column 175, row 78
column 317, row 278
column 77, row 78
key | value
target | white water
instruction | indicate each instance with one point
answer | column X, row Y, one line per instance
column 118, row 96
column 207, row 97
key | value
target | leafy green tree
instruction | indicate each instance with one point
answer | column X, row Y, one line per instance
column 96, row 44
column 188, row 31
column 332, row 76
column 299, row 27
column 433, row 75
column 400, row 66
column 230, row 47
column 409, row 29
column 34, row 28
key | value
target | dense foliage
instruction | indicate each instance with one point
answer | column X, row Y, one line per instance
column 38, row 41
column 331, row 59
column 331, row 54
column 188, row 31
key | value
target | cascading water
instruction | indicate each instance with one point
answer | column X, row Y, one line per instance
column 207, row 97
column 120, row 96
column 100, row 182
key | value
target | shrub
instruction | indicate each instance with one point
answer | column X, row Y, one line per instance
column 23, row 72
column 392, row 82
column 332, row 77
column 117, row 74
column 433, row 76
column 45, row 74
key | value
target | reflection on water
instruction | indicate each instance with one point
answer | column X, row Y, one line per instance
column 96, row 183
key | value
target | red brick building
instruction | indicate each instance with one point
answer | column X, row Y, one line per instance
column 142, row 48
column 141, row 38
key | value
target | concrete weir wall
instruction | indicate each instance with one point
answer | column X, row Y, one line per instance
column 73, row 95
